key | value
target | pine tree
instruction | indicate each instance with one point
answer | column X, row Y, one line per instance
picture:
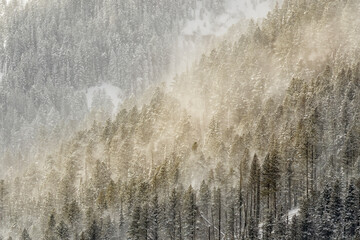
column 351, row 211
column 3, row 193
column 268, row 226
column 108, row 229
column 74, row 214
column 134, row 228
column 255, row 187
column 253, row 230
column 239, row 208
column 93, row 232
column 204, row 207
column 270, row 178
column 172, row 214
column 217, row 212
column 306, row 223
column 324, row 201
column 62, row 231
column 336, row 206
column 325, row 229
column 154, row 218
column 190, row 214
column 323, row 220
column 144, row 223
column 230, row 213
column 280, row 228
column 294, row 229
column 25, row 235
column 50, row 231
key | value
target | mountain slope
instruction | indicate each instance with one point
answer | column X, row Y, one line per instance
column 256, row 128
column 53, row 54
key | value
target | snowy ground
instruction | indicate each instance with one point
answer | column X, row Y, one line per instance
column 293, row 212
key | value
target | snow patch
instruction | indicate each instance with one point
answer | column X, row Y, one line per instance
column 114, row 93
column 293, row 212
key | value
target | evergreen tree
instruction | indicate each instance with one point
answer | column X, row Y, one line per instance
column 351, row 211
column 62, row 231
column 280, row 228
column 268, row 226
column 50, row 231
column 172, row 214
column 255, row 187
column 306, row 221
column 325, row 229
column 154, row 218
column 94, row 232
column 134, row 228
column 217, row 213
column 270, row 178
column 190, row 214
column 25, row 235
column 108, row 229
column 295, row 233
column 253, row 229
column 336, row 207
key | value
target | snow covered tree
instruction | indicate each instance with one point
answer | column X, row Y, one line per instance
column 351, row 211
column 25, row 235
column 190, row 214
column 62, row 231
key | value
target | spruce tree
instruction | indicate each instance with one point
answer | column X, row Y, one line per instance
column 351, row 211
column 270, row 178
column 154, row 218
column 134, row 228
column 336, row 207
column 306, row 221
column 253, row 229
column 25, row 235
column 172, row 214
column 294, row 229
column 280, row 228
column 190, row 214
column 268, row 226
column 62, row 231
column 50, row 231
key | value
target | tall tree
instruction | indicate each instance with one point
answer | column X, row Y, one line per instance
column 270, row 178
column 190, row 214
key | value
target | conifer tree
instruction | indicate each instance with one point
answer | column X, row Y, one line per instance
column 306, row 221
column 351, row 211
column 25, row 235
column 294, row 230
column 154, row 218
column 190, row 214
column 270, row 178
column 253, row 230
column 172, row 214
column 255, row 187
column 134, row 228
column 336, row 206
column 268, row 226
column 62, row 231
column 50, row 231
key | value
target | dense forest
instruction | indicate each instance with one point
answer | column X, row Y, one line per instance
column 52, row 52
column 259, row 139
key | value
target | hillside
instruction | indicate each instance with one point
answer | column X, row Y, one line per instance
column 57, row 56
column 259, row 139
